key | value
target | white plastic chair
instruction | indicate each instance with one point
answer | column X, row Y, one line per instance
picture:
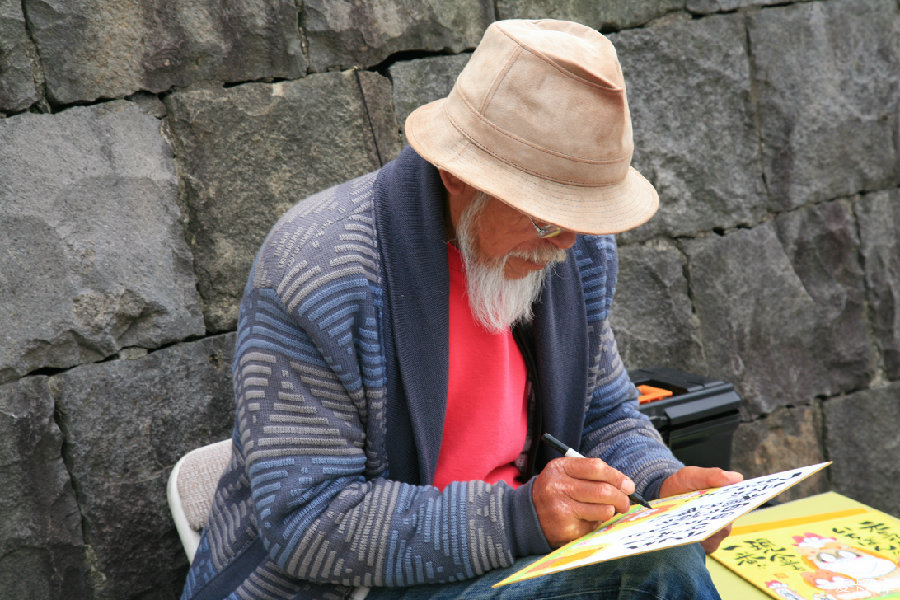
column 190, row 490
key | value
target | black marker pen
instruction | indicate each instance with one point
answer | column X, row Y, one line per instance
column 567, row 451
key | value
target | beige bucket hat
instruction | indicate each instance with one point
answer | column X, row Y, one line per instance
column 538, row 118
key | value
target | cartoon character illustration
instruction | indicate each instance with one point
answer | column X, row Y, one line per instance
column 846, row 587
column 846, row 572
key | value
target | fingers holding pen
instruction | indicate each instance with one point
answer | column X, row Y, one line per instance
column 573, row 495
column 599, row 479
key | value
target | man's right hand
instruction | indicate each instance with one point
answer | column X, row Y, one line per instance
column 574, row 495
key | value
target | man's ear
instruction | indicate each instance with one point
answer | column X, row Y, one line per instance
column 455, row 186
column 459, row 194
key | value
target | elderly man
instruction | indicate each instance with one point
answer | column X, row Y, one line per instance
column 406, row 337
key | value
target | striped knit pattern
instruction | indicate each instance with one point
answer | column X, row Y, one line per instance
column 307, row 473
column 310, row 386
column 613, row 429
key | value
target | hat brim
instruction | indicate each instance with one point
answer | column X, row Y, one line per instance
column 583, row 209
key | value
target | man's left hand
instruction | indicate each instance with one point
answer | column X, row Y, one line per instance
column 690, row 479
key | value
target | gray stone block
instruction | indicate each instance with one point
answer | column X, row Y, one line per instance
column 652, row 313
column 41, row 547
column 823, row 247
column 695, row 140
column 599, row 14
column 879, row 226
column 861, row 439
column 17, row 87
column 250, row 152
column 827, row 75
column 787, row 438
column 714, row 6
column 341, row 35
column 759, row 327
column 418, row 82
column 378, row 101
column 94, row 49
column 93, row 257
column 126, row 423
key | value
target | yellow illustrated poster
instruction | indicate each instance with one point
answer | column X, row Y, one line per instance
column 843, row 555
column 670, row 522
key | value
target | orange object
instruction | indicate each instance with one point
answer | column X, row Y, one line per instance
column 652, row 394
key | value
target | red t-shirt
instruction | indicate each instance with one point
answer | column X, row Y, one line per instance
column 486, row 421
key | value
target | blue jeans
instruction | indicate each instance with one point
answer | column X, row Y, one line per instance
column 673, row 574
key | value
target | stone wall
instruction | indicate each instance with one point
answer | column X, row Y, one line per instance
column 146, row 147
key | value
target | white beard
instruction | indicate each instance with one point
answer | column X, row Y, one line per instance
column 498, row 303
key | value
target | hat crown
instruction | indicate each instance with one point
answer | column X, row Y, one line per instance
column 577, row 49
column 549, row 98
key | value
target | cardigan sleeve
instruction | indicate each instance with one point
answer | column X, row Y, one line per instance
column 614, row 429
column 620, row 434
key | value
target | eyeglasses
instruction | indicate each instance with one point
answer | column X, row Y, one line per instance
column 546, row 231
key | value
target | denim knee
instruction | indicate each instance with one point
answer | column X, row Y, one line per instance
column 669, row 574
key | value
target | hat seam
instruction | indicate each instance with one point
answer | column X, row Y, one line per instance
column 523, row 141
column 510, row 61
column 519, row 44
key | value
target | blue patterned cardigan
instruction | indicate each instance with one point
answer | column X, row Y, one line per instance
column 340, row 377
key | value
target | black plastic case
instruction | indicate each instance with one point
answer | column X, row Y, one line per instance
column 698, row 421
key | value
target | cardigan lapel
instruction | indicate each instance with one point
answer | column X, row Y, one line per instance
column 410, row 224
column 559, row 335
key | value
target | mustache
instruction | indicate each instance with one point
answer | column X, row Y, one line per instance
column 549, row 254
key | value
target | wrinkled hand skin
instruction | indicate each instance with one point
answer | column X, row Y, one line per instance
column 573, row 495
column 690, row 479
